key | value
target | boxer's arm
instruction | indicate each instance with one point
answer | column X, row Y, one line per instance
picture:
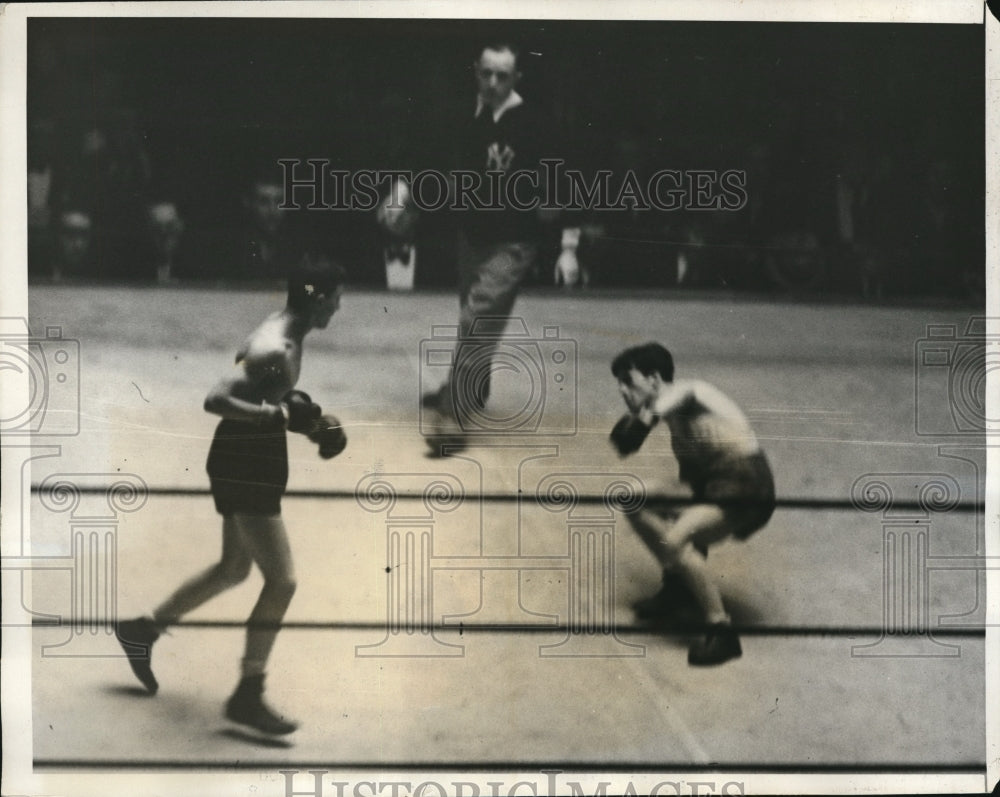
column 672, row 397
column 259, row 373
column 230, row 399
column 632, row 429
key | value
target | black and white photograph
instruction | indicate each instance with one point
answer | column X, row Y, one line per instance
column 499, row 399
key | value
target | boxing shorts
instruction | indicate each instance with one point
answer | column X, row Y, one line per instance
column 248, row 468
column 742, row 485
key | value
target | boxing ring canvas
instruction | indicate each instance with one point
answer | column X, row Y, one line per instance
column 463, row 620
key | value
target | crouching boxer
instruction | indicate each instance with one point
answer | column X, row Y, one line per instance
column 721, row 460
column 248, row 470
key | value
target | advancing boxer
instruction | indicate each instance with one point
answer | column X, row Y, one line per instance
column 720, row 459
column 248, row 469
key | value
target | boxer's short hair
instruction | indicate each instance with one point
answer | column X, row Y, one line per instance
column 649, row 358
column 313, row 280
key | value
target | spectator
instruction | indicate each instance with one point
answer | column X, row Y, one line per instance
column 74, row 253
column 165, row 230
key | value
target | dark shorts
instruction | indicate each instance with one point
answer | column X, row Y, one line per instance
column 743, row 487
column 248, row 468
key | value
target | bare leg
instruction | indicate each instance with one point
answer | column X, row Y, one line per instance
column 705, row 524
column 652, row 530
column 701, row 525
column 267, row 541
column 231, row 569
column 137, row 636
column 671, row 541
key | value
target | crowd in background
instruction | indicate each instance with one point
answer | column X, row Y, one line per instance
column 859, row 182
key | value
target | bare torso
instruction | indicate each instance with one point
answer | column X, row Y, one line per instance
column 272, row 360
column 704, row 423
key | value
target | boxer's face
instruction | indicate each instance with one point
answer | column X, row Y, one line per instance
column 639, row 390
column 323, row 311
column 496, row 76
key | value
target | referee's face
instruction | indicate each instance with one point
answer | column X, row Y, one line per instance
column 496, row 75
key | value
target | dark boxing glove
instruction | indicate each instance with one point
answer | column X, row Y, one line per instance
column 329, row 435
column 629, row 434
column 302, row 412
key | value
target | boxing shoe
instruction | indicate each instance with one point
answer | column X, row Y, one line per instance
column 247, row 707
column 443, row 442
column 136, row 638
column 720, row 644
column 673, row 596
column 431, row 401
column 442, row 431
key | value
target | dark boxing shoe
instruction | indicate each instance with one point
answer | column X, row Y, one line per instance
column 443, row 433
column 445, row 445
column 674, row 596
column 720, row 644
column 431, row 401
column 246, row 706
column 136, row 638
